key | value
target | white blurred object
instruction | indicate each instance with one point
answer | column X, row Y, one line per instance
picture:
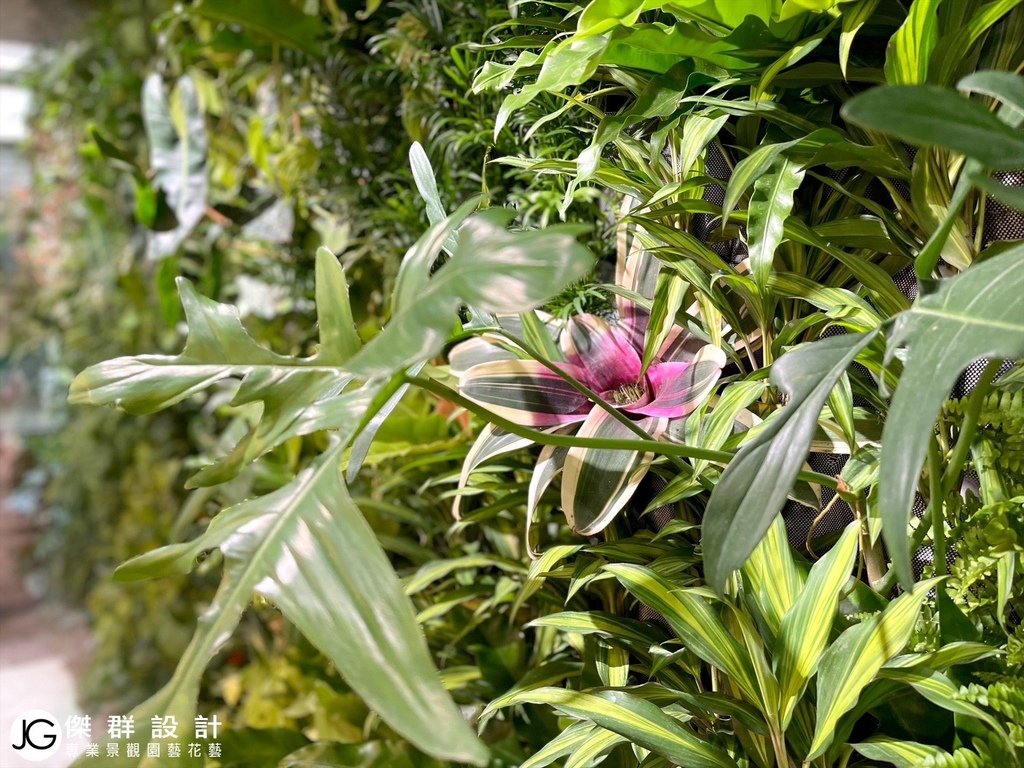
column 14, row 100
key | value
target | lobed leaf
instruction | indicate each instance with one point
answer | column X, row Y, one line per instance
column 976, row 314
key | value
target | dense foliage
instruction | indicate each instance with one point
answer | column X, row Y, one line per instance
column 724, row 486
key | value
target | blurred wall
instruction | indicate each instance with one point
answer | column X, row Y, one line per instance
column 42, row 22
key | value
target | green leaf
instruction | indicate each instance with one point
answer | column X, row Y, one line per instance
column 927, row 115
column 598, row 482
column 906, row 60
column 974, row 315
column 693, row 621
column 770, row 205
column 754, row 486
column 903, row 754
column 806, row 626
column 277, row 21
column 338, row 338
column 855, row 16
column 493, row 270
column 853, row 661
column 307, row 549
column 299, row 395
column 414, row 271
column 636, row 719
column 1005, row 86
column 569, row 63
column 177, row 159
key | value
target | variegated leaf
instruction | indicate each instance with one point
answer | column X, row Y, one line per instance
column 805, row 627
column 694, row 621
column 526, row 392
column 597, row 483
column 492, row 441
column 855, row 658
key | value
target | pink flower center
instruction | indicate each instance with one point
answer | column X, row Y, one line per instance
column 627, row 394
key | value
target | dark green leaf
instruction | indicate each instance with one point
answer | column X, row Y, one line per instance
column 976, row 314
column 754, row 486
column 927, row 115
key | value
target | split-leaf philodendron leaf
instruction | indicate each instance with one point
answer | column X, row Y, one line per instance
column 974, row 315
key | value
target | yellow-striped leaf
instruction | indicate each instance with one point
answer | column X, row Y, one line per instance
column 806, row 625
column 906, row 60
column 636, row 719
column 693, row 620
column 668, row 298
column 772, row 577
column 902, row 754
column 854, row 659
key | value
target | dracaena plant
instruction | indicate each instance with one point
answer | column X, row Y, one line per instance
column 797, row 679
column 612, row 377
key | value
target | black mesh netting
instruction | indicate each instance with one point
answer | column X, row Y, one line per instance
column 706, row 227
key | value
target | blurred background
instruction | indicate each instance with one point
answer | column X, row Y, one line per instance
column 291, row 128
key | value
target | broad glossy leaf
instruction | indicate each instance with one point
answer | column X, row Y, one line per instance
column 659, row 48
column 854, row 659
column 927, row 115
column 414, row 271
column 906, row 60
column 569, row 63
column 693, row 620
column 177, row 158
column 493, row 270
column 636, row 719
column 754, row 486
column 976, row 314
column 307, row 549
column 277, row 21
column 1005, row 86
column 806, row 626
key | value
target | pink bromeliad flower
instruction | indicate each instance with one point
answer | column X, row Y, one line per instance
column 607, row 357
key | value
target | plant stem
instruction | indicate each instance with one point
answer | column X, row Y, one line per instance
column 569, row 441
column 779, row 748
column 936, row 508
column 968, row 426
